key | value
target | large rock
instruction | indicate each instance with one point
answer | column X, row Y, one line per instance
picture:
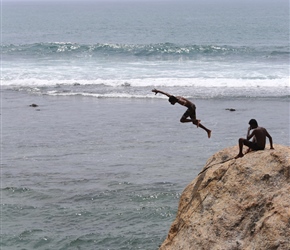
column 236, row 204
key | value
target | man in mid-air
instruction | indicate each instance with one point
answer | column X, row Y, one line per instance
column 190, row 112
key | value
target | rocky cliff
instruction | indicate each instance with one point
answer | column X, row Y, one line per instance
column 236, row 204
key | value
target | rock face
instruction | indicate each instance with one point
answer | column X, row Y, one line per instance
column 236, row 204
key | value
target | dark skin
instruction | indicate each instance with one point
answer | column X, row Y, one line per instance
column 258, row 136
column 184, row 102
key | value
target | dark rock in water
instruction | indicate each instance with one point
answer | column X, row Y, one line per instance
column 33, row 105
column 237, row 204
column 231, row 109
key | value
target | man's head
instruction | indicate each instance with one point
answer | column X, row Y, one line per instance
column 172, row 99
column 253, row 123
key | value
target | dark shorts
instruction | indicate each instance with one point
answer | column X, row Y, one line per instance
column 190, row 112
column 253, row 145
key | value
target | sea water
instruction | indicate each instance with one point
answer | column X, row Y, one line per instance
column 101, row 162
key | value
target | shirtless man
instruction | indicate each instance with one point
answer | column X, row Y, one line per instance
column 190, row 112
column 258, row 142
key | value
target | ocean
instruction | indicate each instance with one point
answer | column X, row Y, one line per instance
column 100, row 162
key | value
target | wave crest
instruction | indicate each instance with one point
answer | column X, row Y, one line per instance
column 137, row 50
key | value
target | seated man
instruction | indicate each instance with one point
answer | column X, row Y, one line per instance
column 258, row 134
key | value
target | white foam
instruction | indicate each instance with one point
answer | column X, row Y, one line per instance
column 158, row 82
column 96, row 95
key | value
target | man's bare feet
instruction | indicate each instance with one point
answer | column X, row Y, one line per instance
column 209, row 133
column 239, row 155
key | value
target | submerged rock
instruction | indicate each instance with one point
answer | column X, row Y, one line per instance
column 33, row 105
column 240, row 204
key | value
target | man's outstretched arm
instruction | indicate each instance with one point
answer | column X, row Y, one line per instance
column 161, row 92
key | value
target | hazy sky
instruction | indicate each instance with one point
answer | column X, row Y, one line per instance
column 96, row 0
column 6, row 1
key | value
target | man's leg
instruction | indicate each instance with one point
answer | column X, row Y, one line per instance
column 250, row 144
column 241, row 144
column 192, row 115
column 198, row 124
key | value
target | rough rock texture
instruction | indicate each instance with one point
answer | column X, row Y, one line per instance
column 236, row 204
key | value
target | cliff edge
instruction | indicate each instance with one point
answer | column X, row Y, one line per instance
column 236, row 204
